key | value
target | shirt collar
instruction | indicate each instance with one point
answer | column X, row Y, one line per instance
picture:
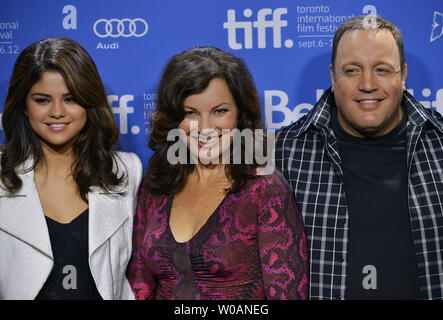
column 418, row 114
column 320, row 115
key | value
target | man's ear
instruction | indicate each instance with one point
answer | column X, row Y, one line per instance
column 403, row 77
column 331, row 72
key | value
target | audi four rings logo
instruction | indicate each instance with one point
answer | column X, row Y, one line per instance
column 115, row 28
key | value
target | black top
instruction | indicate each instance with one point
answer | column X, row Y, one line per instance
column 381, row 260
column 70, row 278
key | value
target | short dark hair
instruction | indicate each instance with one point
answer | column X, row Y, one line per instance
column 361, row 23
column 185, row 74
column 93, row 148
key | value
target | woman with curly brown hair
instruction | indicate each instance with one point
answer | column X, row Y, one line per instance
column 66, row 196
column 208, row 226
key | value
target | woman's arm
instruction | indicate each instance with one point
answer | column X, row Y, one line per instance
column 142, row 282
column 282, row 243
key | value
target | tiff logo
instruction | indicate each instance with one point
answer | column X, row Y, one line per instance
column 122, row 110
column 261, row 24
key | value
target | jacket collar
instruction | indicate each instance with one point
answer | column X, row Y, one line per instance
column 107, row 212
column 21, row 213
column 320, row 114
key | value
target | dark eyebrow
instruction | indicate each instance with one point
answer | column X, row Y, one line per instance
column 40, row 94
column 356, row 63
column 48, row 95
column 212, row 108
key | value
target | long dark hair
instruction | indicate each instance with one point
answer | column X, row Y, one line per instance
column 93, row 149
column 185, row 74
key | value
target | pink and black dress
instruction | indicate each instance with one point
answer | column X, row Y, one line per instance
column 253, row 247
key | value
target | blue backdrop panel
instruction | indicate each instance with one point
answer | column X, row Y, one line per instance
column 285, row 43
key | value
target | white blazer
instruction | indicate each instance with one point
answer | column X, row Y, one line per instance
column 26, row 258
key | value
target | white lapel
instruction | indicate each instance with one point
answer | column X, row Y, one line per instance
column 107, row 213
column 21, row 213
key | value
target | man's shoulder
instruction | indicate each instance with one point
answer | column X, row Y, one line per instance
column 301, row 129
column 434, row 119
column 293, row 129
column 307, row 125
column 436, row 116
column 418, row 114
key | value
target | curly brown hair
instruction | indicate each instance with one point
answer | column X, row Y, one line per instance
column 189, row 73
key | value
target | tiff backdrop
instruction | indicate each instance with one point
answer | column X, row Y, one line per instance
column 285, row 43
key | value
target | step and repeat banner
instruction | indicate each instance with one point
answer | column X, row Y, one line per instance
column 285, row 43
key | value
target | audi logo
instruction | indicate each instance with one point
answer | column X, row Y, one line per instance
column 120, row 28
